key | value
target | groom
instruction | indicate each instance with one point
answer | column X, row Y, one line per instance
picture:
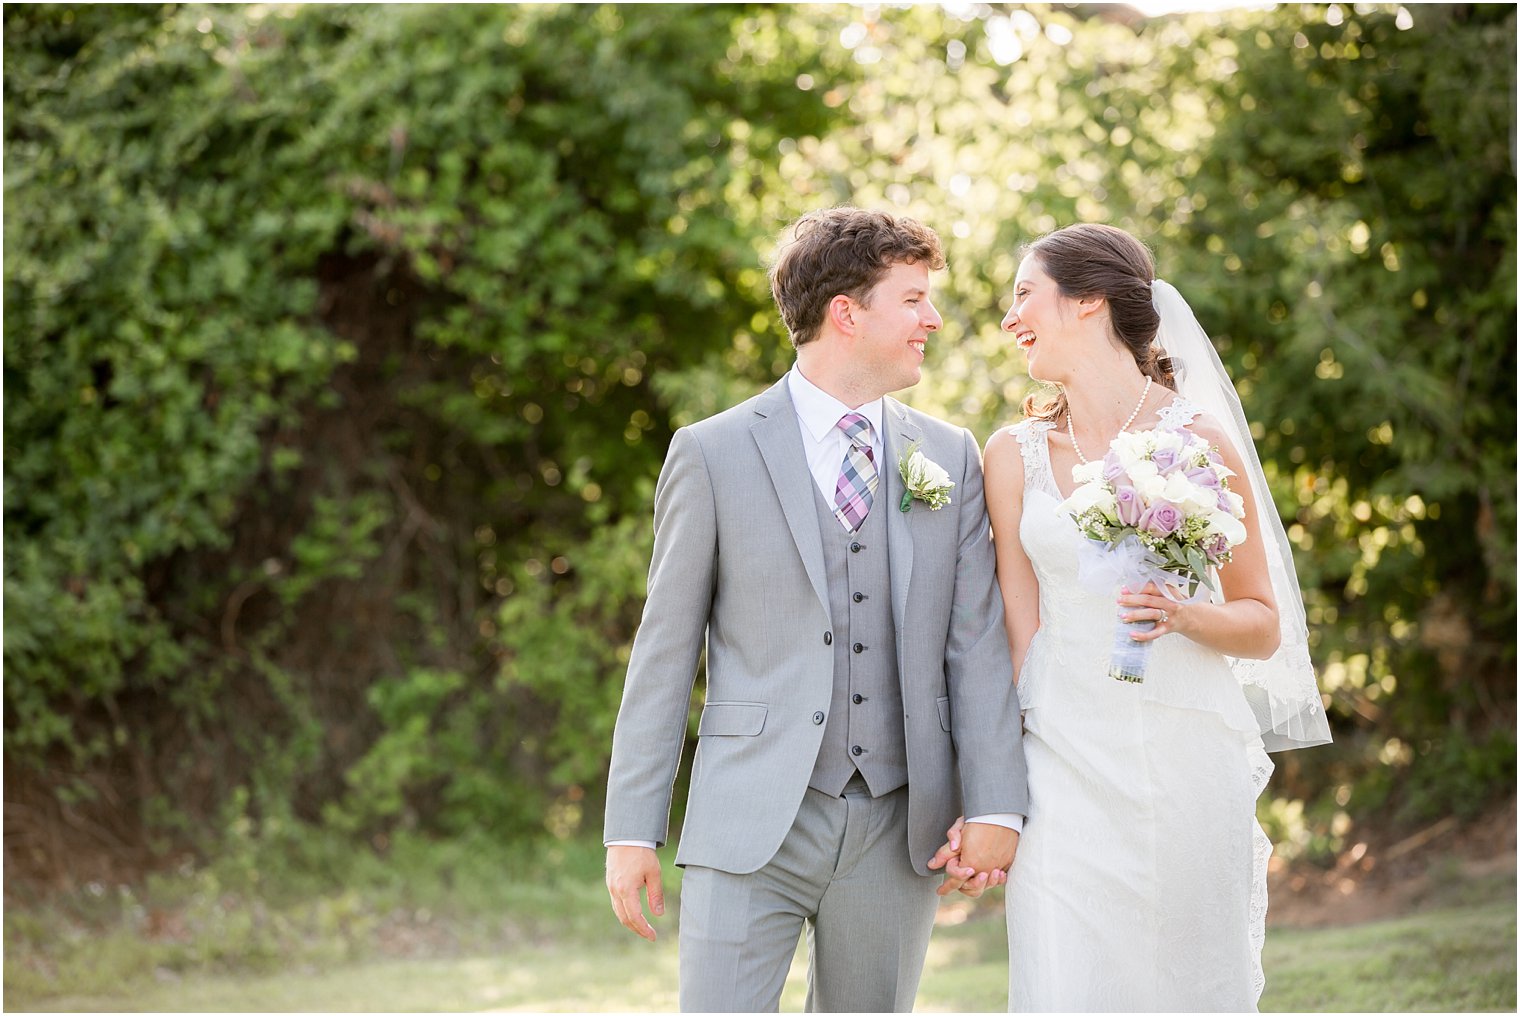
column 859, row 690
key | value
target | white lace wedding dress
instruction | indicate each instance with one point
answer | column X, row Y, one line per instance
column 1140, row 881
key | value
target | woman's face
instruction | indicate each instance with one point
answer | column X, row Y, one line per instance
column 1041, row 322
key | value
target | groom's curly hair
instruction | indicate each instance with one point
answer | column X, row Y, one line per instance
column 843, row 251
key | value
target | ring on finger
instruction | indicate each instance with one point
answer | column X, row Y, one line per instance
column 1163, row 617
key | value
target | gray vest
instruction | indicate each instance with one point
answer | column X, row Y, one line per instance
column 864, row 731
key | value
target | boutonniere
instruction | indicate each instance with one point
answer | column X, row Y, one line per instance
column 924, row 479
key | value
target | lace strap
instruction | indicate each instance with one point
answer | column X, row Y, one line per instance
column 1178, row 414
column 1037, row 471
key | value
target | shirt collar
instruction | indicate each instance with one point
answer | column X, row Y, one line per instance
column 820, row 411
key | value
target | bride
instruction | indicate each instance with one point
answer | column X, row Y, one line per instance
column 1140, row 882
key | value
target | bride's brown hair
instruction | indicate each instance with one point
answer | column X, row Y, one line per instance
column 1095, row 260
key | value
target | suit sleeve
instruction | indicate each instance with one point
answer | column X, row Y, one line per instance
column 651, row 723
column 984, row 703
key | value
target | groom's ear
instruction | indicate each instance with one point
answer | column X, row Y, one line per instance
column 841, row 314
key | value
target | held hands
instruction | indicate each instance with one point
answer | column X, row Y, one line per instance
column 629, row 871
column 1149, row 605
column 976, row 856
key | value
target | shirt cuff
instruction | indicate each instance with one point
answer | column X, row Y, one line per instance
column 638, row 843
column 1008, row 821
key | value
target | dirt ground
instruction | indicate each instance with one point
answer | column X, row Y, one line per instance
column 1380, row 877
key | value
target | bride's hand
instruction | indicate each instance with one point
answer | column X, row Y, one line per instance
column 1150, row 605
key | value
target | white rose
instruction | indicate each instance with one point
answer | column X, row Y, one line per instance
column 1171, row 441
column 1202, row 499
column 926, row 472
column 1189, row 496
column 1122, row 446
column 1083, row 498
column 1087, row 472
column 1142, row 469
column 1179, row 489
column 1150, row 487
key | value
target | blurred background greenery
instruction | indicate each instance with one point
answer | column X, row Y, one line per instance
column 343, row 345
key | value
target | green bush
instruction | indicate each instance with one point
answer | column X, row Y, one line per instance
column 343, row 344
column 328, row 329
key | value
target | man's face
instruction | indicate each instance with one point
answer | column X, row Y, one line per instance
column 892, row 331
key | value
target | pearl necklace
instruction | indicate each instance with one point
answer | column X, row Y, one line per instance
column 1072, row 430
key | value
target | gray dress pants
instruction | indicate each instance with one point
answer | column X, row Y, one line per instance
column 843, row 873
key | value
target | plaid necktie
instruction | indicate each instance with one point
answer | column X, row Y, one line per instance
column 857, row 475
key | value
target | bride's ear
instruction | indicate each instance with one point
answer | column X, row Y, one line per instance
column 1087, row 306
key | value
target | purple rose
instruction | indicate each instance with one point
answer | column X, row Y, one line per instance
column 1218, row 547
column 1161, row 518
column 1203, row 476
column 1224, row 502
column 1165, row 460
column 1113, row 470
column 1129, row 505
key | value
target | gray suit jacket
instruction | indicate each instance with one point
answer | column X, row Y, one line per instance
column 738, row 566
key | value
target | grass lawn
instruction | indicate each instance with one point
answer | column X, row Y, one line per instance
column 561, row 951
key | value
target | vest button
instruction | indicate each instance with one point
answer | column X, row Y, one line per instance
column 857, row 698
column 859, row 648
column 857, row 750
column 854, row 548
column 828, row 638
column 859, row 597
column 818, row 717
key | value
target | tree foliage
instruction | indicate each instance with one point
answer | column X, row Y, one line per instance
column 342, row 346
column 329, row 333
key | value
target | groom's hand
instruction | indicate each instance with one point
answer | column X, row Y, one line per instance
column 988, row 848
column 952, row 849
column 957, row 875
column 629, row 871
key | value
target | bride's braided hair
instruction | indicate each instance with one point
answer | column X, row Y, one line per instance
column 1095, row 260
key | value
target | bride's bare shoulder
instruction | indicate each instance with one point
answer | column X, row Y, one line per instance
column 1003, row 457
column 1209, row 428
column 1006, row 442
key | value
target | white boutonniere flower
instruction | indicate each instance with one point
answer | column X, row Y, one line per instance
column 924, row 479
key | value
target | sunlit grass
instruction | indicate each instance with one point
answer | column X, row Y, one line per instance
column 550, row 945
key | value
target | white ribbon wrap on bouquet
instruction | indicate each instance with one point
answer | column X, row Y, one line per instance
column 1103, row 569
column 1281, row 690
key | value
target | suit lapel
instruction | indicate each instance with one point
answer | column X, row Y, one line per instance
column 780, row 442
column 899, row 433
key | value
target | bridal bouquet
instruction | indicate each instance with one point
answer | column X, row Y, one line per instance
column 1157, row 508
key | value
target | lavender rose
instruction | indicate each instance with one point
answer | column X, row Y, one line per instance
column 1128, row 504
column 1161, row 518
column 1217, row 547
column 1165, row 460
column 1203, row 476
column 1113, row 469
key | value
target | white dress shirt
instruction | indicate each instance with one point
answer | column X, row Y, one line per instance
column 824, row 444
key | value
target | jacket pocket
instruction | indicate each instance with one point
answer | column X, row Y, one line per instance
column 733, row 719
column 944, row 711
